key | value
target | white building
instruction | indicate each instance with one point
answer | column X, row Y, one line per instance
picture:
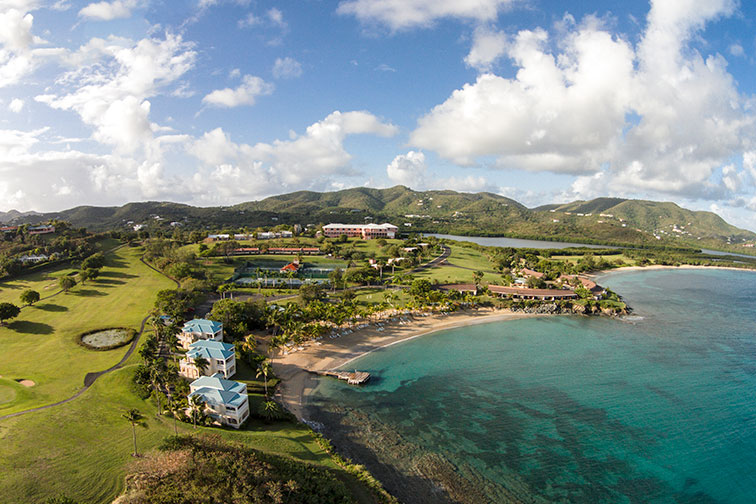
column 226, row 401
column 364, row 231
column 221, row 358
column 200, row 329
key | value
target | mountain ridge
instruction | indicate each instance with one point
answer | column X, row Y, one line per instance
column 601, row 220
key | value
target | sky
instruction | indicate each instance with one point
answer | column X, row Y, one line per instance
column 216, row 102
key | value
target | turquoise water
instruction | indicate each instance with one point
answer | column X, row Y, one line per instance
column 659, row 407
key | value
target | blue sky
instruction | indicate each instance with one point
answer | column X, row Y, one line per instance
column 214, row 102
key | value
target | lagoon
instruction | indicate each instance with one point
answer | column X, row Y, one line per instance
column 656, row 407
column 499, row 241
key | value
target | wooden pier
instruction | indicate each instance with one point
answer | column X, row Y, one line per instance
column 351, row 377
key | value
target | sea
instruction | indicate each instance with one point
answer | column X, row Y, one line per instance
column 655, row 407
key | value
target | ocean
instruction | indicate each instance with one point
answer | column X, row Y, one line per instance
column 656, row 407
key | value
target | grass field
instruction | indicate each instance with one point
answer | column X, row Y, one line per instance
column 41, row 343
column 460, row 266
column 82, row 449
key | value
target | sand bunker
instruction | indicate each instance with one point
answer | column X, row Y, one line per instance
column 26, row 383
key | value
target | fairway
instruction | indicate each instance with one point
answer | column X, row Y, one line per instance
column 41, row 343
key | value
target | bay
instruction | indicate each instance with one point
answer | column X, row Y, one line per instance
column 656, row 407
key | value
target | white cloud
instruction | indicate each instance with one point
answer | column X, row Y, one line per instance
column 287, row 68
column 245, row 94
column 306, row 161
column 383, row 67
column 107, row 11
column 408, row 169
column 403, row 14
column 736, row 50
column 249, row 20
column 16, row 105
column 113, row 96
column 655, row 118
column 488, row 46
column 276, row 17
column 16, row 39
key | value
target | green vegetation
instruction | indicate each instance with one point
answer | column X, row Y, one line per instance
column 203, row 469
column 41, row 344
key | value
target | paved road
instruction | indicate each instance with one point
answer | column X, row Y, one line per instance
column 90, row 378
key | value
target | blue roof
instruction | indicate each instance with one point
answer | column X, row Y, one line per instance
column 215, row 396
column 211, row 349
column 219, row 383
column 203, row 326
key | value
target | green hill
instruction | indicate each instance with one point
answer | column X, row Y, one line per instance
column 602, row 220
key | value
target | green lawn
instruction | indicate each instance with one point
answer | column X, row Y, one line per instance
column 82, row 449
column 41, row 343
column 460, row 266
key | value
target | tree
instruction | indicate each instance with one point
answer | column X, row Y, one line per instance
column 201, row 364
column 264, row 369
column 335, row 277
column 29, row 297
column 83, row 276
column 92, row 273
column 8, row 311
column 420, row 287
column 95, row 261
column 270, row 410
column 134, row 417
column 310, row 292
column 66, row 283
column 536, row 283
column 477, row 278
column 196, row 406
column 175, row 406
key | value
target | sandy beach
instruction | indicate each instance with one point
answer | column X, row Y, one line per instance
column 331, row 353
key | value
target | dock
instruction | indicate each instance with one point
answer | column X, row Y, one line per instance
column 351, row 377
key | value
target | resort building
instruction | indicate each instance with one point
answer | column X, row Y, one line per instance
column 221, row 359
column 200, row 329
column 364, row 231
column 35, row 230
column 226, row 401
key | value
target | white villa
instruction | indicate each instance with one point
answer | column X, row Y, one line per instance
column 200, row 329
column 364, row 231
column 226, row 401
column 220, row 356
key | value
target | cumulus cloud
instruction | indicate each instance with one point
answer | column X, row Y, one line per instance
column 306, row 161
column 488, row 46
column 245, row 94
column 107, row 11
column 287, row 68
column 16, row 53
column 16, row 105
column 654, row 117
column 112, row 96
column 408, row 169
column 403, row 14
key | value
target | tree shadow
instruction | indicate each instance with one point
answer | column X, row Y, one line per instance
column 88, row 292
column 108, row 281
column 115, row 274
column 28, row 327
column 51, row 307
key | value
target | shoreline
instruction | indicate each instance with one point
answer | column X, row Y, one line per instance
column 624, row 269
column 293, row 368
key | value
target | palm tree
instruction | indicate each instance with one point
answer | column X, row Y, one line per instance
column 201, row 364
column 157, row 375
column 175, row 406
column 195, row 406
column 264, row 369
column 134, row 417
